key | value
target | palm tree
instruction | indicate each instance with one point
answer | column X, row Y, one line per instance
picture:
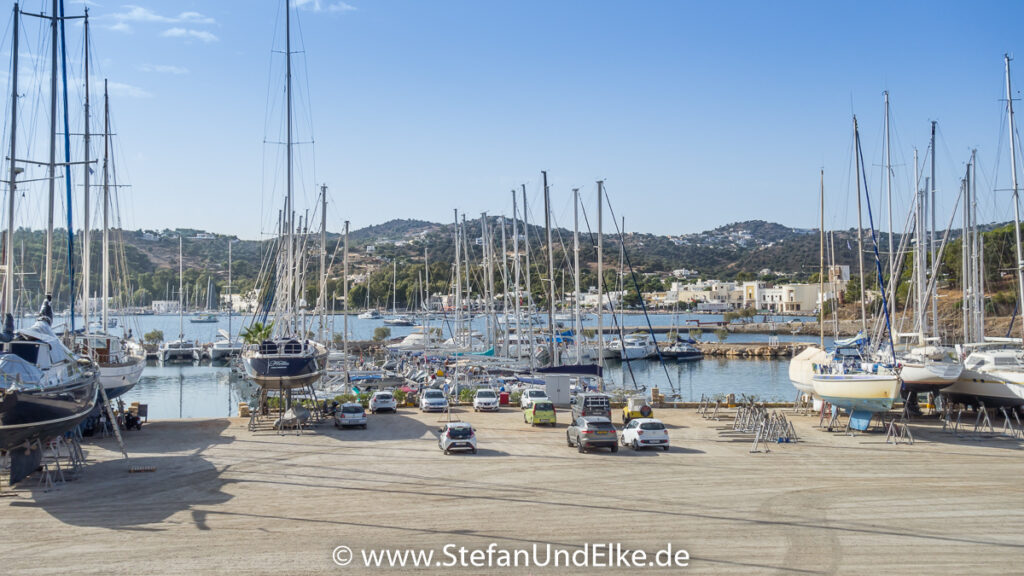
column 257, row 333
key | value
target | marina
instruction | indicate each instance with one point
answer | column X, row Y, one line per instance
column 440, row 304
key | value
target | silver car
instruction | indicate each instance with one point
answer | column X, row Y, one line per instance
column 383, row 400
column 350, row 414
column 433, row 400
column 485, row 399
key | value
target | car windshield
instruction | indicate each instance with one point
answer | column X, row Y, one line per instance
column 460, row 432
column 543, row 406
column 433, row 394
column 485, row 394
column 652, row 426
column 352, row 409
column 600, row 425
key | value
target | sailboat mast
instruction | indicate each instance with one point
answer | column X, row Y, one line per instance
column 577, row 328
column 860, row 232
column 181, row 288
column 516, row 271
column 931, row 238
column 600, row 274
column 231, row 306
column 529, row 291
column 821, row 265
column 888, row 183
column 86, row 236
column 106, row 204
column 504, row 281
column 323, row 260
column 920, row 257
column 458, row 283
column 551, row 273
column 289, row 207
column 53, row 150
column 12, row 185
column 1016, row 191
column 344, row 293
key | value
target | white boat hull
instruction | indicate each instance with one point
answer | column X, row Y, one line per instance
column 120, row 378
column 997, row 388
column 930, row 376
column 801, row 368
column 858, row 392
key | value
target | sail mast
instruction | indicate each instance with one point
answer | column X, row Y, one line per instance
column 1016, row 192
column 106, row 205
column 86, row 236
column 12, row 185
column 821, row 266
column 600, row 275
column 344, row 293
column 289, row 207
column 529, row 291
column 577, row 328
column 551, row 273
column 53, row 151
column 860, row 233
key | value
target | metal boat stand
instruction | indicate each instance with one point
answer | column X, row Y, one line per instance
column 802, row 405
column 982, row 421
column 948, row 425
column 1009, row 428
column 702, row 408
column 899, row 430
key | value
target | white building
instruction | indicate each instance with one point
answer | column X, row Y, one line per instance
column 165, row 306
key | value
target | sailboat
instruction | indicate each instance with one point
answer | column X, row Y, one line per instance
column 180, row 349
column 850, row 379
column 287, row 360
column 993, row 371
column 207, row 317
column 120, row 360
column 396, row 319
column 227, row 345
column 45, row 389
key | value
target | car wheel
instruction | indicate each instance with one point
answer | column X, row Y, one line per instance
column 579, row 446
column 447, row 452
column 665, row 448
column 635, row 446
column 615, row 448
column 474, row 450
column 568, row 441
column 364, row 426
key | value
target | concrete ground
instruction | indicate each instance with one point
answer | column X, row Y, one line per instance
column 224, row 500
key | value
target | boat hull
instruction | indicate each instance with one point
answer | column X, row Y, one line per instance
column 801, row 369
column 280, row 371
column 994, row 389
column 856, row 392
column 117, row 379
column 30, row 415
column 931, row 376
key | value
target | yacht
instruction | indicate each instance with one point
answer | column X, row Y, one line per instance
column 372, row 314
column 120, row 361
column 637, row 346
column 994, row 377
column 225, row 347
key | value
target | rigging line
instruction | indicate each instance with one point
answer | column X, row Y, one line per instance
column 636, row 284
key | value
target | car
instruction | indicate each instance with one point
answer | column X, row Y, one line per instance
column 350, row 414
column 457, row 436
column 433, row 399
column 644, row 433
column 591, row 404
column 636, row 407
column 588, row 432
column 531, row 395
column 485, row 399
column 383, row 400
column 540, row 412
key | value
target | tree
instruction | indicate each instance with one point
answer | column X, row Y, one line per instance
column 722, row 334
column 153, row 337
column 381, row 333
column 257, row 333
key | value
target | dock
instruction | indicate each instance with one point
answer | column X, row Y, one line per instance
column 224, row 500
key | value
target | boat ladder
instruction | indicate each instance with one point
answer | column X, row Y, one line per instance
column 113, row 422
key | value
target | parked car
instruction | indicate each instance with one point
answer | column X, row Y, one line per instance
column 644, row 433
column 485, row 399
column 457, row 436
column 383, row 400
column 540, row 412
column 589, row 432
column 591, row 404
column 432, row 399
column 531, row 395
column 350, row 414
column 636, row 407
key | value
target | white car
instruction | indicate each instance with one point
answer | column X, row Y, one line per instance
column 531, row 395
column 350, row 414
column 383, row 400
column 643, row 433
column 457, row 436
column 432, row 399
column 485, row 399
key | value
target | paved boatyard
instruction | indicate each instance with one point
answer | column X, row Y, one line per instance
column 225, row 500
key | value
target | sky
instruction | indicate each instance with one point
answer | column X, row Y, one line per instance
column 696, row 114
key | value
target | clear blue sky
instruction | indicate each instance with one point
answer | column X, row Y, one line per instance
column 696, row 113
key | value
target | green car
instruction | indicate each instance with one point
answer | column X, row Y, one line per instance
column 539, row 412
